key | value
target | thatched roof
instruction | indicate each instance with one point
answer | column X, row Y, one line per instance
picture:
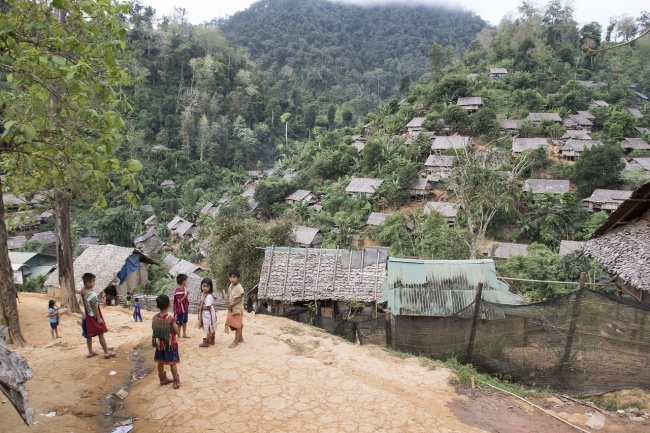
column 635, row 143
column 288, row 176
column 580, row 145
column 524, row 144
column 504, row 250
column 301, row 195
column 44, row 237
column 175, row 266
column 416, row 122
column 16, row 242
column 644, row 163
column 146, row 236
column 470, row 101
column 540, row 117
column 306, row 235
column 363, row 185
column 377, row 219
column 498, row 71
column 439, row 161
column 159, row 148
column 641, row 96
column 150, row 220
column 249, row 192
column 419, row 185
column 304, row 274
column 576, row 134
column 586, row 114
column 622, row 242
column 599, row 103
column 608, row 196
column 451, row 142
column 168, row 183
column 540, row 186
column 105, row 261
column 642, row 130
column 180, row 226
column 569, row 247
column 635, row 112
column 509, row 124
column 579, row 120
column 448, row 210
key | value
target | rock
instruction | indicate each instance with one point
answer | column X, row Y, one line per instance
column 596, row 422
column 121, row 394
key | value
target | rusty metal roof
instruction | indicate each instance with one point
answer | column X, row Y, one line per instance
column 442, row 288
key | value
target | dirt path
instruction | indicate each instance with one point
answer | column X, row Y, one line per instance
column 285, row 377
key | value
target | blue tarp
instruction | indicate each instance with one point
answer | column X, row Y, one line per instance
column 132, row 264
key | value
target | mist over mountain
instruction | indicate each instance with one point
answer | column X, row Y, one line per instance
column 337, row 52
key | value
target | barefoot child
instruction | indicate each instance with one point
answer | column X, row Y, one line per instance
column 92, row 321
column 53, row 314
column 181, row 303
column 136, row 310
column 235, row 301
column 207, row 316
column 164, row 340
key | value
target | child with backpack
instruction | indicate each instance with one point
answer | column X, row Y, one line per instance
column 164, row 340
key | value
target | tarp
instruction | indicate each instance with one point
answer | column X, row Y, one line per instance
column 131, row 265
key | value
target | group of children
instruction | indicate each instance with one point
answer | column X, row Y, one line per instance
column 166, row 327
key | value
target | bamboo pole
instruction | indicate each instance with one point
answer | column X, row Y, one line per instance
column 320, row 254
column 472, row 335
column 304, row 275
column 575, row 315
column 268, row 276
column 286, row 273
column 573, row 283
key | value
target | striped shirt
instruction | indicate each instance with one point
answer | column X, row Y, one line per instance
column 184, row 306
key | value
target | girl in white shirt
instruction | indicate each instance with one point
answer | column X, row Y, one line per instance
column 207, row 316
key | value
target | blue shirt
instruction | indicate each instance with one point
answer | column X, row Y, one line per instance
column 136, row 308
column 53, row 319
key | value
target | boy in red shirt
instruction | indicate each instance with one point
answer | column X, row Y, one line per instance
column 181, row 303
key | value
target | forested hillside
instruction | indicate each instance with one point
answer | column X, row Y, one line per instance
column 322, row 52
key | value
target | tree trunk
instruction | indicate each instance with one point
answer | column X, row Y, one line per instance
column 286, row 135
column 64, row 251
column 8, row 305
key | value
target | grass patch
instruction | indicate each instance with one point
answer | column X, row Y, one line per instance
column 466, row 371
column 429, row 363
column 297, row 348
column 400, row 355
column 292, row 330
column 610, row 403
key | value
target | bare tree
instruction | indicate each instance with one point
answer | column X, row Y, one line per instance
column 482, row 188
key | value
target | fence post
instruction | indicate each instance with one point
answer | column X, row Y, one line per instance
column 575, row 315
column 472, row 335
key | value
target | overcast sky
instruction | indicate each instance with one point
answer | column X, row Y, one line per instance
column 490, row 10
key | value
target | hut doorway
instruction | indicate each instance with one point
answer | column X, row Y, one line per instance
column 111, row 295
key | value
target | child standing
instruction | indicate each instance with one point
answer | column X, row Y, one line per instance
column 235, row 301
column 164, row 340
column 92, row 321
column 136, row 310
column 53, row 314
column 207, row 316
column 181, row 303
column 128, row 300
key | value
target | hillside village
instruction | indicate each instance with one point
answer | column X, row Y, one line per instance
column 497, row 196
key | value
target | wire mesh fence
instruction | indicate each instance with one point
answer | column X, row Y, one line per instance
column 584, row 343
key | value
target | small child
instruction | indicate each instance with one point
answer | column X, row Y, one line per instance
column 235, row 320
column 181, row 303
column 127, row 304
column 53, row 314
column 92, row 321
column 207, row 316
column 164, row 340
column 136, row 310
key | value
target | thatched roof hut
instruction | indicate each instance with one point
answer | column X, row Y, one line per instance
column 117, row 269
column 175, row 266
column 363, row 185
column 569, row 247
column 541, row 186
column 622, row 244
column 305, row 274
column 377, row 219
column 505, row 250
column 307, row 236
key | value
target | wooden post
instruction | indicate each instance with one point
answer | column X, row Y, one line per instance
column 304, row 275
column 472, row 335
column 575, row 316
column 268, row 275
column 393, row 332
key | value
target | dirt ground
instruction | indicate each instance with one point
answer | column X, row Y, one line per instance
column 285, row 377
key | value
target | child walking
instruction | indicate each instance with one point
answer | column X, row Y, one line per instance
column 207, row 316
column 164, row 340
column 53, row 314
column 128, row 300
column 92, row 321
column 181, row 303
column 235, row 320
column 136, row 310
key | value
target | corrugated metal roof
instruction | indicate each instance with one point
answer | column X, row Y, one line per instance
column 442, row 288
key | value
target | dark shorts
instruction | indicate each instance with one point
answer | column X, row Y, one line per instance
column 84, row 332
column 181, row 318
column 168, row 358
column 54, row 325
